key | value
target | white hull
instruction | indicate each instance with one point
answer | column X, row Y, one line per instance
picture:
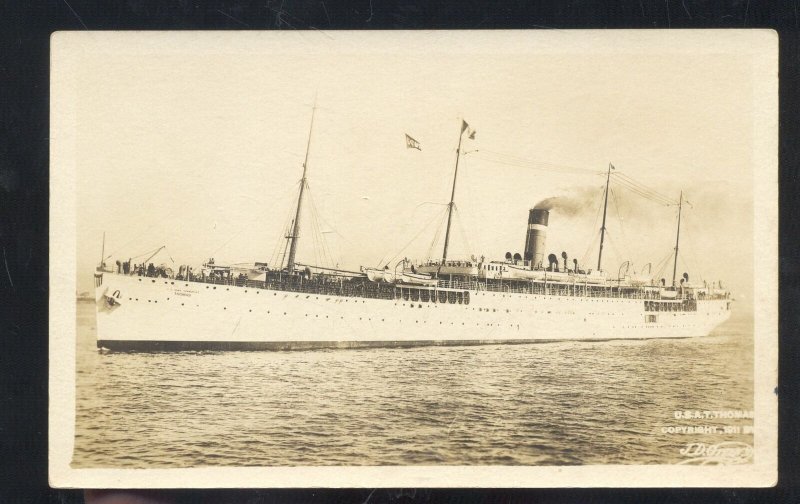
column 166, row 314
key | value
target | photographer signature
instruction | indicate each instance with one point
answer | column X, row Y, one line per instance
column 726, row 453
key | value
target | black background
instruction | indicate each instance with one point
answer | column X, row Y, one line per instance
column 25, row 28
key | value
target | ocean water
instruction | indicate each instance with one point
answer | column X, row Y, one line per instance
column 555, row 403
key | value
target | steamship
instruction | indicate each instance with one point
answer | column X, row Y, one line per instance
column 519, row 299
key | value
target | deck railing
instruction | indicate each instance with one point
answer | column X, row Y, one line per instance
column 362, row 287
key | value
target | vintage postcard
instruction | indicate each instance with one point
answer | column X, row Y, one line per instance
column 414, row 259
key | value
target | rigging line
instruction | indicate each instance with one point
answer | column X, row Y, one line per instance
column 463, row 231
column 682, row 260
column 687, row 238
column 614, row 249
column 469, row 199
column 324, row 257
column 214, row 252
column 326, row 244
column 436, row 235
column 316, row 233
column 311, row 239
column 534, row 166
column 152, row 251
column 134, row 239
column 619, row 217
column 596, row 234
column 624, row 176
column 585, row 256
column 661, row 265
column 283, row 241
column 419, row 233
column 410, row 221
column 327, row 223
column 645, row 194
column 519, row 160
column 634, row 184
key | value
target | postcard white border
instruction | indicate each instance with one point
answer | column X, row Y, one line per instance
column 66, row 50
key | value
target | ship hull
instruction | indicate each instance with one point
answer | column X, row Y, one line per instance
column 157, row 314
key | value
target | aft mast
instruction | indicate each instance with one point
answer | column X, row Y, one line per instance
column 295, row 233
column 677, row 240
column 603, row 227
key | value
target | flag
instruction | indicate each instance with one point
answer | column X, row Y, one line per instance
column 470, row 131
column 411, row 143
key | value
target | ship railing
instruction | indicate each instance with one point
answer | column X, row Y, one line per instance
column 572, row 289
column 385, row 291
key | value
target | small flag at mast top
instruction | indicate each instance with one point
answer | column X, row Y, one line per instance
column 411, row 143
column 470, row 131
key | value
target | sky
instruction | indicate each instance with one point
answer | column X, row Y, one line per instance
column 197, row 144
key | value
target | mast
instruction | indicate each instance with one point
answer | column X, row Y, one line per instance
column 452, row 195
column 603, row 228
column 296, row 225
column 677, row 240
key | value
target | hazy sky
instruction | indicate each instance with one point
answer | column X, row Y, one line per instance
column 198, row 145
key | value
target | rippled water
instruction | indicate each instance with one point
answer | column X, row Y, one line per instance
column 536, row 404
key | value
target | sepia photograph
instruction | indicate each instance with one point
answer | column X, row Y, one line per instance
column 429, row 259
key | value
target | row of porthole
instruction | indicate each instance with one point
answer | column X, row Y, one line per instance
column 416, row 321
column 479, row 309
column 342, row 318
column 410, row 306
column 420, row 306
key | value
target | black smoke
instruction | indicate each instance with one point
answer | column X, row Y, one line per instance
column 577, row 201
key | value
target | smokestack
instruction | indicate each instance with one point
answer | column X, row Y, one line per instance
column 536, row 235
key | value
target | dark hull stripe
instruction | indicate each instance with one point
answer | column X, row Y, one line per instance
column 224, row 346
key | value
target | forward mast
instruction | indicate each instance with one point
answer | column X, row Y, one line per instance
column 295, row 232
